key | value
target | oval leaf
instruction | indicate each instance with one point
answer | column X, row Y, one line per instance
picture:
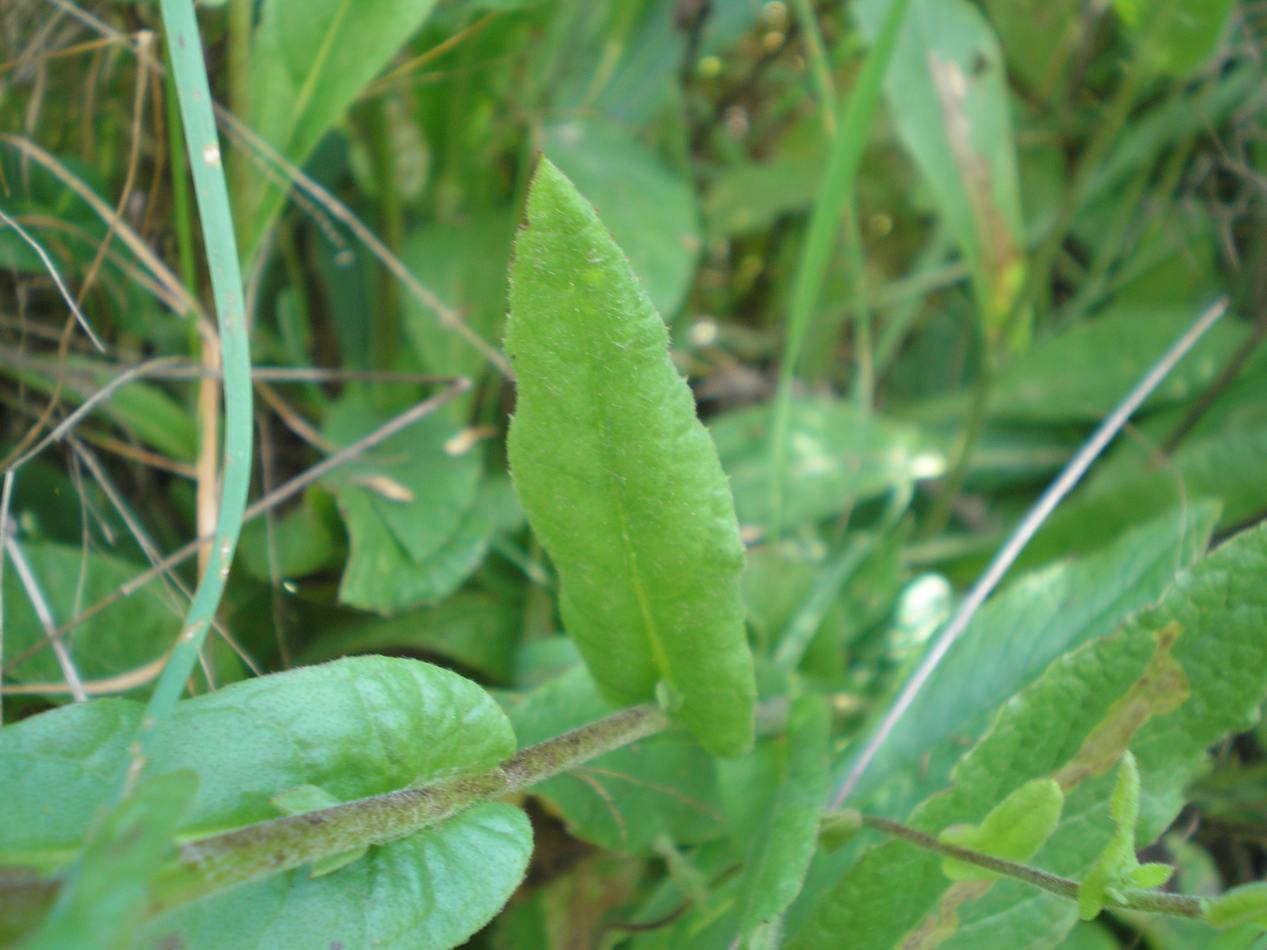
column 356, row 727
column 1013, row 830
column 620, row 480
column 432, row 889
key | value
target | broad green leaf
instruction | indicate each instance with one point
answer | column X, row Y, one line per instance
column 836, row 456
column 623, row 801
column 432, row 889
column 465, row 263
column 1179, row 35
column 1172, row 681
column 1081, row 373
column 309, row 60
column 1014, row 829
column 619, row 479
column 472, row 630
column 649, row 209
column 305, row 540
column 102, row 903
column 420, row 483
column 381, row 576
column 1029, row 623
column 125, row 636
column 1246, row 904
column 409, row 506
column 782, row 845
column 1225, row 467
column 948, row 96
column 355, row 727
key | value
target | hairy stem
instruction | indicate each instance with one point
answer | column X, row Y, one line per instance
column 1154, row 902
column 247, row 854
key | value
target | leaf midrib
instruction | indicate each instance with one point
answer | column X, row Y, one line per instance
column 658, row 653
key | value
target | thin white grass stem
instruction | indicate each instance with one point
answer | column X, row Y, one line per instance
column 45, row 614
column 88, row 405
column 1033, row 520
column 57, row 280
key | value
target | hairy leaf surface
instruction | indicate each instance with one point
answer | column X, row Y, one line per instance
column 620, row 480
column 432, row 889
column 1172, row 681
column 355, row 727
column 624, row 800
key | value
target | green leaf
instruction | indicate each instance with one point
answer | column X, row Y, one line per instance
column 619, row 479
column 836, row 456
column 1030, row 622
column 464, row 262
column 409, row 507
column 102, row 903
column 1171, row 682
column 421, row 482
column 432, row 889
column 140, row 408
column 309, row 59
column 123, row 637
column 355, row 727
column 623, row 801
column 1179, row 35
column 1117, row 862
column 749, row 197
column 381, row 576
column 1081, row 372
column 1013, row 830
column 306, row 540
column 649, row 209
column 782, row 845
column 1150, row 875
column 839, row 827
column 473, row 630
column 1246, row 904
column 948, row 96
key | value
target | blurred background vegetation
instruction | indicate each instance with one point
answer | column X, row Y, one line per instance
column 940, row 299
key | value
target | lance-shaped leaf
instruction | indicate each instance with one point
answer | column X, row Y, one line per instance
column 619, row 479
column 309, row 59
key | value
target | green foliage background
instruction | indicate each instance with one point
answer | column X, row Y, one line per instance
column 904, row 254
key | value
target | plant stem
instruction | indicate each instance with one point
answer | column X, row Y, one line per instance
column 1155, row 902
column 247, row 854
